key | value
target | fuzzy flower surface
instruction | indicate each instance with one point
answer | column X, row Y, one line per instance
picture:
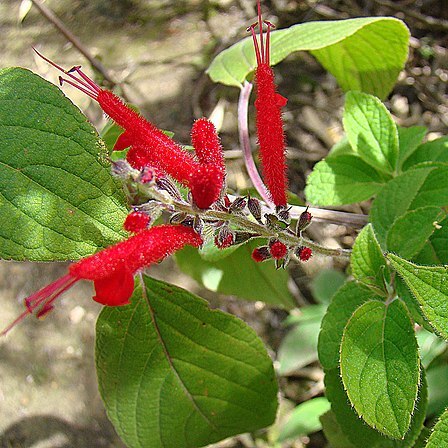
column 112, row 270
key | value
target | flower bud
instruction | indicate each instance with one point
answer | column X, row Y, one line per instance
column 277, row 249
column 198, row 225
column 303, row 253
column 123, row 170
column 178, row 218
column 304, row 221
column 225, row 237
column 274, row 223
column 165, row 184
column 136, row 221
column 261, row 254
column 238, row 205
column 283, row 213
column 242, row 237
column 254, row 207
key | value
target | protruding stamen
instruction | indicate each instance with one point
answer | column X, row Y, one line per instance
column 260, row 26
column 89, row 81
column 94, row 96
column 45, row 297
column 257, row 48
column 85, row 85
column 268, row 42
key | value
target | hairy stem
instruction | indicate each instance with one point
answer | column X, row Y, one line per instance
column 245, row 223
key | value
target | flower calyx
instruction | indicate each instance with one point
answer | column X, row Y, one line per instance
column 303, row 253
column 304, row 221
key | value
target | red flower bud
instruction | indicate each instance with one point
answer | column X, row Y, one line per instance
column 261, row 254
column 304, row 221
column 207, row 144
column 225, row 238
column 206, row 184
column 304, row 253
column 277, row 249
column 136, row 221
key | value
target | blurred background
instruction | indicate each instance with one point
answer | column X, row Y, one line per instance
column 154, row 53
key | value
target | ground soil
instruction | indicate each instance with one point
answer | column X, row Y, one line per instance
column 157, row 50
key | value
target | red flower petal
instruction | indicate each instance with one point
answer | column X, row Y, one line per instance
column 123, row 141
column 116, row 289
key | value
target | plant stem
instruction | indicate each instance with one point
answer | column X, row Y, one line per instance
column 243, row 222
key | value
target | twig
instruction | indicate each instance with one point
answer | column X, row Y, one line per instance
column 51, row 17
column 432, row 22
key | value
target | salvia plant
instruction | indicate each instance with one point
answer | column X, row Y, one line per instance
column 171, row 371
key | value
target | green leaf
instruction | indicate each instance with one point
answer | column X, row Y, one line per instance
column 238, row 275
column 436, row 249
column 422, row 438
column 109, row 134
column 342, row 179
column 409, row 140
column 371, row 131
column 426, row 186
column 380, row 366
column 411, row 303
column 333, row 431
column 439, row 435
column 343, row 304
column 434, row 151
column 430, row 287
column 325, row 284
column 356, row 431
column 411, row 231
column 58, row 200
column 299, row 347
column 364, row 54
column 304, row 419
column 174, row 373
column 367, row 260
column 437, row 389
column 431, row 346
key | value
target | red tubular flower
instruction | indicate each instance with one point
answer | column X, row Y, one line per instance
column 207, row 144
column 271, row 136
column 206, row 185
column 112, row 270
column 149, row 145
